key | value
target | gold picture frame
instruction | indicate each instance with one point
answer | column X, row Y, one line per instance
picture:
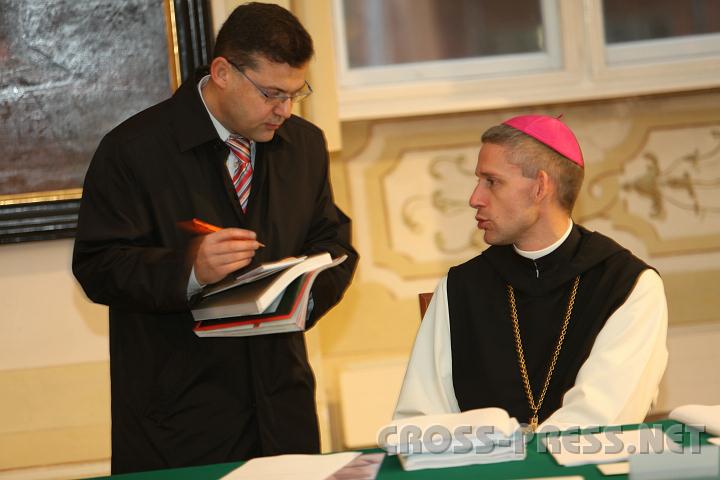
column 52, row 213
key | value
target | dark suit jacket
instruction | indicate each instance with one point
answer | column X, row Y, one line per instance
column 176, row 399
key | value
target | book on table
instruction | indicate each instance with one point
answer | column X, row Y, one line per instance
column 268, row 304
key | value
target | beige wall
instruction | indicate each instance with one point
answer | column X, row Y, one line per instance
column 54, row 401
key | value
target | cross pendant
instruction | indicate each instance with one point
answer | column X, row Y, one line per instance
column 533, row 423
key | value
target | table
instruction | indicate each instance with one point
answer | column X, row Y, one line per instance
column 536, row 464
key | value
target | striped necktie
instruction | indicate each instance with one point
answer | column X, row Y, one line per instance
column 243, row 171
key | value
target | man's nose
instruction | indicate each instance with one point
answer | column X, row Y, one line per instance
column 284, row 108
column 477, row 197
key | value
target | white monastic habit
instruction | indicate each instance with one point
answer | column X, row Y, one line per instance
column 616, row 385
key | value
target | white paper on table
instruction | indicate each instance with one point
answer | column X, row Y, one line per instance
column 606, row 447
column 297, row 467
column 622, row 468
column 707, row 415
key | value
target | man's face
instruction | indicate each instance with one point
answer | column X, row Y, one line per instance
column 503, row 198
column 246, row 111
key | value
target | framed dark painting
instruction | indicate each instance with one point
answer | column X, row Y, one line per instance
column 69, row 72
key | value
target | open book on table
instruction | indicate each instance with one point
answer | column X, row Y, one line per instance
column 272, row 304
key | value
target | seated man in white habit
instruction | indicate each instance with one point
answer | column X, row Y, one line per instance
column 556, row 324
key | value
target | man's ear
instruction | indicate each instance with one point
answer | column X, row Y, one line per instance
column 544, row 186
column 220, row 71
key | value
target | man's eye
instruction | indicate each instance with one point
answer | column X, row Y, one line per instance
column 490, row 182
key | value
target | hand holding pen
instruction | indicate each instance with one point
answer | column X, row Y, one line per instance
column 221, row 250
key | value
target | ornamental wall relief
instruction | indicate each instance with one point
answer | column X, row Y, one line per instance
column 662, row 185
column 427, row 224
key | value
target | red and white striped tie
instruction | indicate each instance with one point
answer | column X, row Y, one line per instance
column 243, row 172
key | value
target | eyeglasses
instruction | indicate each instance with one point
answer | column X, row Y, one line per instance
column 276, row 97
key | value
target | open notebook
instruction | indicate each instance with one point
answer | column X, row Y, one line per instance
column 287, row 312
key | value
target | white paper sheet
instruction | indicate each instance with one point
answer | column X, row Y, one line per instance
column 708, row 415
column 622, row 468
column 297, row 467
column 606, row 447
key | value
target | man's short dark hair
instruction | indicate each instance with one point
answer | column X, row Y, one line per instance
column 532, row 156
column 263, row 29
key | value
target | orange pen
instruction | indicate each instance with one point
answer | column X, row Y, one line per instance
column 204, row 227
column 198, row 226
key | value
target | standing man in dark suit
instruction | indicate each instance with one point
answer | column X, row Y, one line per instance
column 226, row 149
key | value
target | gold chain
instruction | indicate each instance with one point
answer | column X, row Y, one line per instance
column 535, row 407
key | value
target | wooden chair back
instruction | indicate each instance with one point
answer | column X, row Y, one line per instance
column 424, row 299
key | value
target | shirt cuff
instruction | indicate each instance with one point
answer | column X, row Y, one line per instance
column 193, row 285
column 311, row 305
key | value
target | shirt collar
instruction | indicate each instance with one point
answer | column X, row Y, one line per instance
column 222, row 132
column 535, row 254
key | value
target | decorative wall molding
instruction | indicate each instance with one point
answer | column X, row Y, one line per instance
column 418, row 189
column 662, row 183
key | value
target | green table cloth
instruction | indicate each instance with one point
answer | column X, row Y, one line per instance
column 537, row 463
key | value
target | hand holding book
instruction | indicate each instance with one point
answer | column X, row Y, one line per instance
column 220, row 251
column 261, row 271
column 244, row 308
